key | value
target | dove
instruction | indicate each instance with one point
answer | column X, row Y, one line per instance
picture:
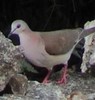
column 48, row 49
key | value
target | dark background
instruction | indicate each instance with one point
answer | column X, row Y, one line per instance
column 43, row 15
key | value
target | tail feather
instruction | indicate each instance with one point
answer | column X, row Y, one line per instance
column 86, row 32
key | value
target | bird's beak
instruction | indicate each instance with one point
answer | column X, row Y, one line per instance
column 11, row 33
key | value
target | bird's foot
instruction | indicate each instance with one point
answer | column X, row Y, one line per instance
column 46, row 81
column 64, row 76
column 62, row 80
column 47, row 77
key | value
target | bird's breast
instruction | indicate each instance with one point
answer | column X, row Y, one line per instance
column 36, row 54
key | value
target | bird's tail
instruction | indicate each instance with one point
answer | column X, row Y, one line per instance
column 86, row 32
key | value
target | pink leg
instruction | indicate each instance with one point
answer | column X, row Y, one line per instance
column 47, row 77
column 64, row 75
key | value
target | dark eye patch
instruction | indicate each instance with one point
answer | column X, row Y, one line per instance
column 18, row 26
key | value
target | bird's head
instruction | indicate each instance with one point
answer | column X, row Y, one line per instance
column 17, row 27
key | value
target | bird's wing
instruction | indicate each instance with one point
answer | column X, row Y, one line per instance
column 60, row 42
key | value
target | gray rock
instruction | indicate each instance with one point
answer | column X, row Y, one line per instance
column 10, row 66
column 44, row 92
column 9, row 57
column 19, row 84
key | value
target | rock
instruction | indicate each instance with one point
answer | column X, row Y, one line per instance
column 9, row 57
column 49, row 91
column 52, row 91
column 19, row 84
column 91, row 96
column 89, row 46
column 10, row 66
column 37, row 91
column 76, row 95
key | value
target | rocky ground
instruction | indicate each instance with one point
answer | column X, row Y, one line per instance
column 77, row 88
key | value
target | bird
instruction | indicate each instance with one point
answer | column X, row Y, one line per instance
column 48, row 49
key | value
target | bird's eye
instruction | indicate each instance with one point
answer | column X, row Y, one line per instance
column 18, row 26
